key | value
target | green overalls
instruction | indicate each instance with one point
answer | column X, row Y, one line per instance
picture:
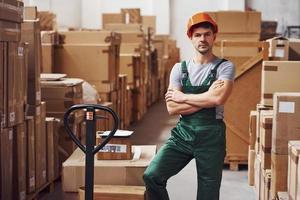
column 199, row 135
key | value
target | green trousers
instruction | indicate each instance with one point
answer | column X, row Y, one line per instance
column 205, row 143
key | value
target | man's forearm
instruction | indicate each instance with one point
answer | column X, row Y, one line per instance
column 175, row 108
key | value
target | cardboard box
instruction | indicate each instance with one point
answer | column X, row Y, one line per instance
column 265, row 184
column 293, row 170
column 266, row 118
column 49, row 37
column 279, row 170
column 252, row 128
column 12, row 11
column 39, row 113
column 112, row 18
column 274, row 74
column 251, row 160
column 90, row 37
column 19, row 161
column 17, row 78
column 149, row 21
column 279, row 48
column 3, row 78
column 30, row 13
column 31, row 35
column 116, row 192
column 52, row 125
column 131, row 15
column 10, row 31
column 121, row 27
column 107, row 172
column 257, row 176
column 30, row 166
column 6, row 147
column 294, row 49
column 237, row 21
column 286, row 121
column 48, row 20
column 97, row 64
column 47, row 58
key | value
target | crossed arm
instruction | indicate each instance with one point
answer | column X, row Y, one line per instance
column 180, row 103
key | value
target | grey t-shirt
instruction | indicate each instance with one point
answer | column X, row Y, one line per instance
column 199, row 72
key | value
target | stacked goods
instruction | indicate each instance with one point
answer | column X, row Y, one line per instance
column 293, row 170
column 13, row 73
column 60, row 95
column 279, row 48
column 238, row 26
column 285, row 128
column 49, row 40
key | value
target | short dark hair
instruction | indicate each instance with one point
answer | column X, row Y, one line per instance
column 206, row 25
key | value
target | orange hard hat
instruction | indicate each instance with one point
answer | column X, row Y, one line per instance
column 199, row 18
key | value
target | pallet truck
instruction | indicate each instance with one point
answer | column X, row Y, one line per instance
column 90, row 149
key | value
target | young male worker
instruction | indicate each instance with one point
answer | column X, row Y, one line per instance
column 198, row 89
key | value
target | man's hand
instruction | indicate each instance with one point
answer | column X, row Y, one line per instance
column 175, row 95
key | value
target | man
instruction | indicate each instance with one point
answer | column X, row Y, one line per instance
column 197, row 92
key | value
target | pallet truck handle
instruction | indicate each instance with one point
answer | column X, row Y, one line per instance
column 95, row 107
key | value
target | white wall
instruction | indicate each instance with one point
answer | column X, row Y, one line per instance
column 285, row 12
column 182, row 10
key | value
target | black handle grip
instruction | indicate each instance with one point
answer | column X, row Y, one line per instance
column 95, row 107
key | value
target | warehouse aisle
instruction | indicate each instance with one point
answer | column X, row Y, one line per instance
column 154, row 128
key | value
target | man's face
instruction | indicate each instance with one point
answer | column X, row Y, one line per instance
column 203, row 40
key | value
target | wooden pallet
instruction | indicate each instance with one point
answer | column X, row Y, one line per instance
column 46, row 188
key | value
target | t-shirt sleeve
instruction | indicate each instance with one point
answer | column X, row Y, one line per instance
column 226, row 71
column 175, row 76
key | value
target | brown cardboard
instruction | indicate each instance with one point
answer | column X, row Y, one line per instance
column 111, row 18
column 286, row 121
column 107, row 172
column 149, row 21
column 274, row 74
column 279, row 167
column 294, row 49
column 123, row 27
column 12, row 11
column 90, row 37
column 3, row 66
column 17, row 76
column 48, row 20
column 31, row 35
column 30, row 13
column 49, row 37
column 257, row 176
column 115, row 192
column 237, row 21
column 279, row 48
column 47, row 58
column 252, row 128
column 131, row 15
column 293, row 167
column 10, row 31
column 20, row 161
column 266, row 117
column 6, row 148
column 52, row 148
column 251, row 160
column 93, row 63
column 30, row 166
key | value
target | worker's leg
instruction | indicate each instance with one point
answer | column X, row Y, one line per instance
column 209, row 155
column 170, row 159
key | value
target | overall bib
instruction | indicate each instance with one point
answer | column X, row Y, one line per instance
column 199, row 135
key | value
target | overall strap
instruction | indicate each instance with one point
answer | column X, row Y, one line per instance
column 213, row 74
column 185, row 74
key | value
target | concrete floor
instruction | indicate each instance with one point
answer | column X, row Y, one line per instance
column 155, row 128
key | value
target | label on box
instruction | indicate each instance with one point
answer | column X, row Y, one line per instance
column 10, row 135
column 114, row 148
column 286, row 107
column 20, row 51
column 22, row 195
column 279, row 52
column 12, row 116
column 32, row 182
column 38, row 95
